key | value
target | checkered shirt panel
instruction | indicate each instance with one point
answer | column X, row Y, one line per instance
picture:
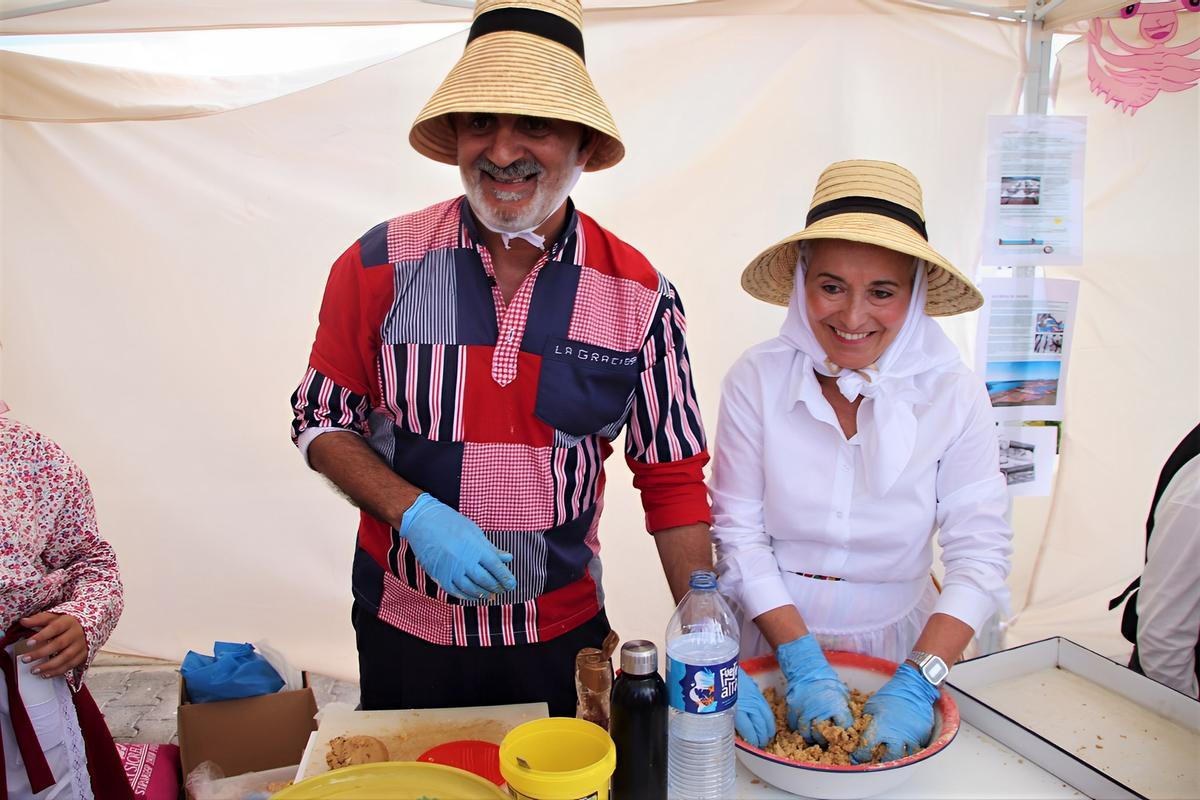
column 611, row 312
column 415, row 613
column 411, row 236
column 512, row 318
column 504, row 487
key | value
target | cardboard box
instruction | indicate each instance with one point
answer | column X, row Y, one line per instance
column 247, row 735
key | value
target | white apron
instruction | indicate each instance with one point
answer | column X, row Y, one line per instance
column 874, row 619
column 52, row 712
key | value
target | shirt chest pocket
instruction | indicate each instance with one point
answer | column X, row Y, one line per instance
column 584, row 389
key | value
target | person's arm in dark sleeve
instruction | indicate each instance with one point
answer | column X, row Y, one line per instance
column 666, row 450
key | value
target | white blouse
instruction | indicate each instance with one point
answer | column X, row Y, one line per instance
column 1168, row 603
column 790, row 494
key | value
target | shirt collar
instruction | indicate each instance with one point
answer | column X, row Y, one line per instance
column 805, row 387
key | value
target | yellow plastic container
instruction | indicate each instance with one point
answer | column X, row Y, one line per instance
column 564, row 759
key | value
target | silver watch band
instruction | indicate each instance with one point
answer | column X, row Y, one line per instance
column 931, row 667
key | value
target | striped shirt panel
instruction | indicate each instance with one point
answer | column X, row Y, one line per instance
column 425, row 310
column 319, row 402
column 665, row 423
column 421, row 389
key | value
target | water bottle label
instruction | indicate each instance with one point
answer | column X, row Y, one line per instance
column 702, row 690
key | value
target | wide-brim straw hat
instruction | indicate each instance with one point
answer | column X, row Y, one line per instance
column 875, row 202
column 523, row 57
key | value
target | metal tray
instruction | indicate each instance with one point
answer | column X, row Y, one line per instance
column 1084, row 718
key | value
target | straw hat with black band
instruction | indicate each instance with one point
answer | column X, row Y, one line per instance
column 523, row 57
column 875, row 202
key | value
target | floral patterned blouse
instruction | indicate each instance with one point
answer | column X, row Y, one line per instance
column 52, row 557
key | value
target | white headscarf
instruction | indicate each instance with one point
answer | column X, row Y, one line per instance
column 887, row 428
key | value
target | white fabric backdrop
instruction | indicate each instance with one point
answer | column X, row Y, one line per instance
column 161, row 280
column 1134, row 385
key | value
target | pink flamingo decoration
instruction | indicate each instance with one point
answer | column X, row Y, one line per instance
column 1128, row 76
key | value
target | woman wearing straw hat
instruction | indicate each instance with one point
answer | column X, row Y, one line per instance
column 842, row 445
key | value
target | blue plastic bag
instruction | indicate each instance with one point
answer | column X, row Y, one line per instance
column 233, row 671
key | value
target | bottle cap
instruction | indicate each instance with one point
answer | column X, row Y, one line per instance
column 639, row 657
column 703, row 579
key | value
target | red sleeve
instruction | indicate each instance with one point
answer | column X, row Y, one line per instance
column 347, row 344
column 673, row 492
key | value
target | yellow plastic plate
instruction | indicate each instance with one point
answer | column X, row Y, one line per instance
column 394, row 780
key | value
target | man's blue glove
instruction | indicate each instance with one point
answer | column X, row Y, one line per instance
column 453, row 550
column 755, row 721
column 901, row 716
column 815, row 692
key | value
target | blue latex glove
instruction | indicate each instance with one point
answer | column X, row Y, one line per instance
column 453, row 550
column 815, row 692
column 755, row 721
column 901, row 716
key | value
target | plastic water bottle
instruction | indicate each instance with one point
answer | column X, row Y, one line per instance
column 702, row 673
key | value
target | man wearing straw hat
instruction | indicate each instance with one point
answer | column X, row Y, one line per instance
column 879, row 436
column 473, row 363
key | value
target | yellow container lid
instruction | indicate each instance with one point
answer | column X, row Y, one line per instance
column 393, row 780
column 563, row 759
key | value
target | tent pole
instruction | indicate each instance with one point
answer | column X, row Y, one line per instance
column 975, row 9
column 1036, row 94
column 1035, row 99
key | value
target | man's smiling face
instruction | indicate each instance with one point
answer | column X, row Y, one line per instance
column 516, row 169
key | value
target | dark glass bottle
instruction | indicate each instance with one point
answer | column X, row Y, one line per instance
column 639, row 725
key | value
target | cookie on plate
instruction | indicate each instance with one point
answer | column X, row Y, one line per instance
column 345, row 751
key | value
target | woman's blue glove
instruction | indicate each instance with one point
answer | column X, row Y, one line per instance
column 815, row 692
column 454, row 551
column 901, row 716
column 755, row 721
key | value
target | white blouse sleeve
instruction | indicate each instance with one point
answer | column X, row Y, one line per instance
column 972, row 498
column 1168, row 603
column 746, row 564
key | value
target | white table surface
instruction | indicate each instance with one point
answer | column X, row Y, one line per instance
column 974, row 765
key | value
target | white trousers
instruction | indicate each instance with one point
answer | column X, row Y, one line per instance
column 48, row 702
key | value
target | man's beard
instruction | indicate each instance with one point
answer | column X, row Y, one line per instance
column 489, row 204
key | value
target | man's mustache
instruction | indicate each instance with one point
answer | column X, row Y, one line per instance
column 521, row 168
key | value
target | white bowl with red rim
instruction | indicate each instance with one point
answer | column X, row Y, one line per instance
column 867, row 674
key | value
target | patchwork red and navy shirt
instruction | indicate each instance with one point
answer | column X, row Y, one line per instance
column 504, row 412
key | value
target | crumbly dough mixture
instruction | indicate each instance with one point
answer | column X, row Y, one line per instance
column 842, row 741
column 345, row 751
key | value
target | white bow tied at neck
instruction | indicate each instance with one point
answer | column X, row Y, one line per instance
column 887, row 424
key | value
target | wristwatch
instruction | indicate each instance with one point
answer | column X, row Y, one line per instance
column 930, row 666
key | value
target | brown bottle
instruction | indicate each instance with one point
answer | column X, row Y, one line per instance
column 593, row 686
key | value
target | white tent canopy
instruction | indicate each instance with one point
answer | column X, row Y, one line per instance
column 166, row 239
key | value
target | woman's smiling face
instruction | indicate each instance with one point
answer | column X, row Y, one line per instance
column 857, row 297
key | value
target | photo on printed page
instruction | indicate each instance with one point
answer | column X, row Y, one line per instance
column 1022, row 383
column 1027, row 458
column 1020, row 191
